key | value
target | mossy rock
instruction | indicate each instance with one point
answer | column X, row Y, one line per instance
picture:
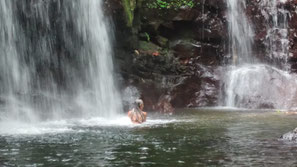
column 129, row 7
column 148, row 46
column 162, row 41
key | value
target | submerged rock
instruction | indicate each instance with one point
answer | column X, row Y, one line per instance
column 290, row 136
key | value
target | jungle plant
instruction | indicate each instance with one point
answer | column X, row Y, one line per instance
column 170, row 4
column 148, row 38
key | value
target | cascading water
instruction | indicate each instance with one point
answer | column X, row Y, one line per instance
column 261, row 86
column 250, row 84
column 56, row 60
column 240, row 33
column 97, row 55
column 277, row 42
column 240, row 41
column 14, row 78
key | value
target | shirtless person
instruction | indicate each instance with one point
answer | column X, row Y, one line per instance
column 137, row 115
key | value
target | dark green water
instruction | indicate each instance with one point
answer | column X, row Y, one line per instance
column 190, row 138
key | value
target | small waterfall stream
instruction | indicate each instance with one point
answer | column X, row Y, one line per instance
column 249, row 83
column 277, row 42
column 240, row 33
column 55, row 61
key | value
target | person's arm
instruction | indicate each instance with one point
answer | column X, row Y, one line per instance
column 130, row 114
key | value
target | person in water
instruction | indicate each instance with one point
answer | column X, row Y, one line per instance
column 137, row 115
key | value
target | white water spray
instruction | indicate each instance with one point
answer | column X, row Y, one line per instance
column 56, row 61
column 92, row 26
column 277, row 42
column 14, row 77
column 250, row 84
column 240, row 33
column 261, row 86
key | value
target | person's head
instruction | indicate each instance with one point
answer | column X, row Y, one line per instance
column 139, row 104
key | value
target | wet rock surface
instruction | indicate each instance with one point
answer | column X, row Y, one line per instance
column 290, row 136
column 260, row 87
column 173, row 55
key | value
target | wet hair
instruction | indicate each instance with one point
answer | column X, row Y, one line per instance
column 138, row 103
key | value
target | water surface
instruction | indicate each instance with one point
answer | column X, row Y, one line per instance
column 219, row 137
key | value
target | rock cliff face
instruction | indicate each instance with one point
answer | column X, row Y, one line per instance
column 175, row 56
column 274, row 23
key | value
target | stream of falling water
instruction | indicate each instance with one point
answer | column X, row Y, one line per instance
column 240, row 33
column 248, row 83
column 55, row 61
column 277, row 42
column 240, row 41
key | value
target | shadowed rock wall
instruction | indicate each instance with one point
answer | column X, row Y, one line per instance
column 174, row 56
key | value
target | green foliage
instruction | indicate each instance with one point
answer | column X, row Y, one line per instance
column 129, row 7
column 170, row 4
column 148, row 38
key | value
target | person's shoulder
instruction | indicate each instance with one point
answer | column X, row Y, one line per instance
column 130, row 112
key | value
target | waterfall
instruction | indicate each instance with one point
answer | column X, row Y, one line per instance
column 56, row 60
column 277, row 42
column 97, row 52
column 240, row 44
column 240, row 33
column 261, row 86
column 249, row 83
column 14, row 76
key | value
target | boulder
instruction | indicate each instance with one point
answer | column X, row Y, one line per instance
column 199, row 89
column 290, row 136
column 164, row 105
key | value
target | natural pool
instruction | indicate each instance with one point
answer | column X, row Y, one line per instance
column 203, row 137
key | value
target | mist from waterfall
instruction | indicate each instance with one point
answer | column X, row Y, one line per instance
column 55, row 61
column 249, row 83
